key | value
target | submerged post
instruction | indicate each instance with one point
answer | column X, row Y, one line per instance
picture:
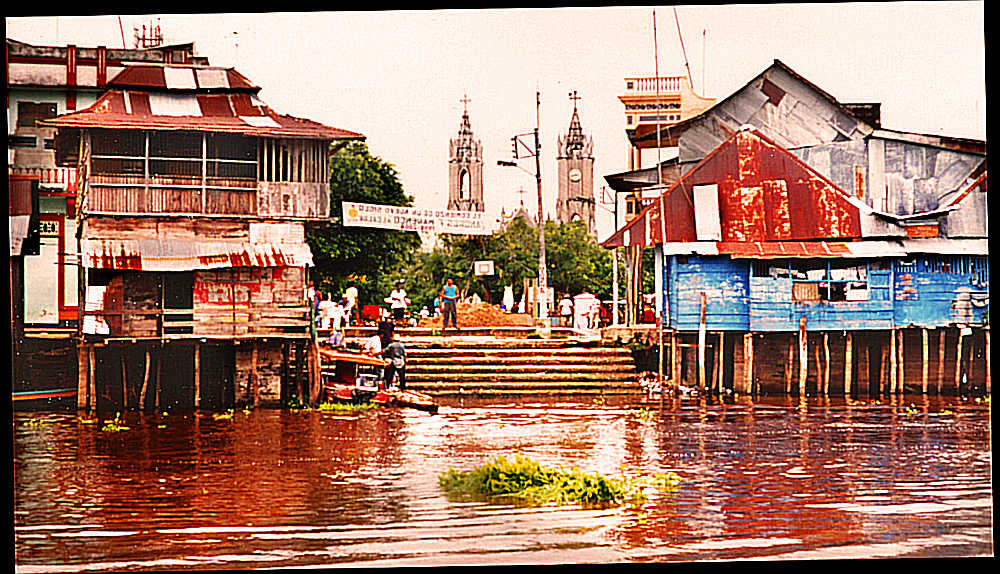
column 701, row 345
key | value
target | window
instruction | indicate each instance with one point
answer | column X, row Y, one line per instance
column 833, row 280
column 22, row 142
column 28, row 113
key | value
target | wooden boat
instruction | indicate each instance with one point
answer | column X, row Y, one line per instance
column 355, row 378
column 43, row 399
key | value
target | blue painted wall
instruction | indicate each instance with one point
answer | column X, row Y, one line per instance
column 941, row 291
column 726, row 287
column 929, row 292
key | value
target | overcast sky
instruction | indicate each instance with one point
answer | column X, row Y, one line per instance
column 399, row 77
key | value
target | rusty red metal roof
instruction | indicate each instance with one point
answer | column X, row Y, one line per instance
column 194, row 99
column 763, row 192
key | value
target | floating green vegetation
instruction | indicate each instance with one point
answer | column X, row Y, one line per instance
column 226, row 416
column 526, row 481
column 346, row 407
column 115, row 425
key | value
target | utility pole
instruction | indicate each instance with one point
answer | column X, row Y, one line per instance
column 543, row 303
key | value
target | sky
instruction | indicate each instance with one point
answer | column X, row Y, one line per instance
column 399, row 77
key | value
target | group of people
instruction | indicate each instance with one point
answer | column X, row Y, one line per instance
column 333, row 314
column 385, row 344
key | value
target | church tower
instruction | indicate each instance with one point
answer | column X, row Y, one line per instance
column 465, row 169
column 576, row 174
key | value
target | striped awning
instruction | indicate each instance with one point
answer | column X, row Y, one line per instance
column 153, row 255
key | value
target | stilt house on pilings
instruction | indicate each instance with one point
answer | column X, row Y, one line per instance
column 773, row 278
column 193, row 201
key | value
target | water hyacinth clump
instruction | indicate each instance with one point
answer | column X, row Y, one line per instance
column 527, row 481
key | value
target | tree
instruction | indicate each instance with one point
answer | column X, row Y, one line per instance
column 576, row 263
column 370, row 257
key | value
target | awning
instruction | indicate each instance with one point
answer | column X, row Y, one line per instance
column 152, row 255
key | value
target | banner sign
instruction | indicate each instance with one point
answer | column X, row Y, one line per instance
column 415, row 219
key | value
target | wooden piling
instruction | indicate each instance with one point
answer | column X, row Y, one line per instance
column 924, row 352
column 803, row 357
column 82, row 379
column 145, row 383
column 252, row 377
column 901, row 365
column 717, row 366
column 958, row 361
column 747, row 386
column 986, row 332
column 701, row 345
column 826, row 363
column 789, row 363
column 892, row 362
column 848, row 363
column 92, row 402
column 197, row 375
column 940, row 365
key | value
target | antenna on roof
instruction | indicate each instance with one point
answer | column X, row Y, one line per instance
column 151, row 38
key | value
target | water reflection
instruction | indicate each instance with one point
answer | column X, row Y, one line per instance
column 817, row 478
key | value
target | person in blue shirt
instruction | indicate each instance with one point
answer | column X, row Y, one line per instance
column 449, row 304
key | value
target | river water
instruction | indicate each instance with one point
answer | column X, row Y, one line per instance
column 770, row 479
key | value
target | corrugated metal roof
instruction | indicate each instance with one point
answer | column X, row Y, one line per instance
column 764, row 194
column 192, row 98
column 154, row 255
column 240, row 113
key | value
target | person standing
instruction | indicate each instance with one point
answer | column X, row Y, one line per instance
column 398, row 302
column 566, row 310
column 351, row 295
column 395, row 352
column 326, row 311
column 449, row 304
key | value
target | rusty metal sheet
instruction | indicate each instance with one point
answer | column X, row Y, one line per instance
column 765, row 194
column 153, row 255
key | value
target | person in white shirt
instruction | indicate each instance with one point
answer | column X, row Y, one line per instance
column 326, row 310
column 351, row 296
column 398, row 302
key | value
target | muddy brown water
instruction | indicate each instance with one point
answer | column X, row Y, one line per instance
column 764, row 479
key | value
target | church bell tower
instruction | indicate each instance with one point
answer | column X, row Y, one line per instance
column 465, row 169
column 576, row 174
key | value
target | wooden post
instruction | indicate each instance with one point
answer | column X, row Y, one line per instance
column 92, row 402
column 986, row 332
column 197, row 375
column 848, row 363
column 789, row 362
column 940, row 365
column 315, row 379
column 701, row 345
column 82, row 366
column 901, row 387
column 746, row 386
column 803, row 357
column 156, row 383
column 124, row 382
column 882, row 384
column 826, row 363
column 958, row 361
column 145, row 384
column 675, row 361
column 892, row 362
column 253, row 383
column 924, row 355
column 717, row 369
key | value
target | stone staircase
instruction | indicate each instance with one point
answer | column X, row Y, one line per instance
column 453, row 366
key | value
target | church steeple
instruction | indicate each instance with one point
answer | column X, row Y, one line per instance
column 465, row 168
column 576, row 173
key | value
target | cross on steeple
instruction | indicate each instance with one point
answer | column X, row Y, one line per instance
column 574, row 97
column 465, row 103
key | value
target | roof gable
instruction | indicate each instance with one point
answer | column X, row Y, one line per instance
column 749, row 189
column 778, row 102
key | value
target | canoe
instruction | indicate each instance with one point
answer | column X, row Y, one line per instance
column 355, row 378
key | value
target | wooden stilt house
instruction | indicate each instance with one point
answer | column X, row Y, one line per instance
column 193, row 201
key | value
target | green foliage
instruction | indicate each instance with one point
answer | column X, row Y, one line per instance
column 115, row 425
column 369, row 257
column 527, row 481
column 347, row 407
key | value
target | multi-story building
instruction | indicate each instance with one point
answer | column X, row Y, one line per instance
column 43, row 82
column 830, row 253
column 191, row 206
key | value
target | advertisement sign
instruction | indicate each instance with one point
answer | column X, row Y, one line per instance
column 415, row 219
